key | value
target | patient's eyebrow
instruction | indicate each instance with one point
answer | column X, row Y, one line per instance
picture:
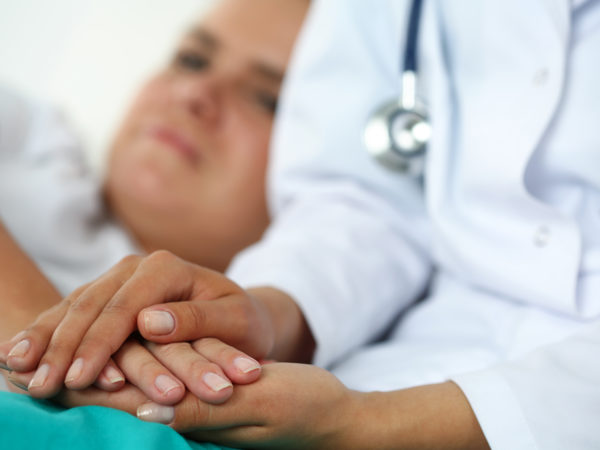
column 265, row 70
column 204, row 37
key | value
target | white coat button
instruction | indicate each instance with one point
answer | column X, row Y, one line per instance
column 541, row 236
column 540, row 77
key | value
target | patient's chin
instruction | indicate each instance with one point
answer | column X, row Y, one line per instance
column 145, row 194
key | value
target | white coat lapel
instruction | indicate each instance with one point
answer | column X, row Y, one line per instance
column 559, row 13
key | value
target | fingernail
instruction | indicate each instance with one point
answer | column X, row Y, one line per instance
column 246, row 365
column 151, row 412
column 165, row 384
column 159, row 322
column 40, row 376
column 113, row 375
column 216, row 382
column 74, row 371
column 20, row 350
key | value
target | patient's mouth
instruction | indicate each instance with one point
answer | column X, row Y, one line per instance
column 176, row 142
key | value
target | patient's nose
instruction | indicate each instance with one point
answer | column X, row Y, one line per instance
column 199, row 96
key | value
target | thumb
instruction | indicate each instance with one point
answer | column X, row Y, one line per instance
column 230, row 319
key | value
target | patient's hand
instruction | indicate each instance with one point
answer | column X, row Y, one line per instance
column 126, row 399
column 204, row 366
column 72, row 342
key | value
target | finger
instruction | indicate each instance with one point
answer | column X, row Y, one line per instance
column 20, row 379
column 204, row 379
column 191, row 414
column 28, row 346
column 158, row 278
column 6, row 347
column 239, row 367
column 84, row 306
column 197, row 420
column 148, row 374
column 128, row 399
column 232, row 319
column 111, row 378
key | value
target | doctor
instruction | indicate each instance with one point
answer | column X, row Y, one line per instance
column 502, row 231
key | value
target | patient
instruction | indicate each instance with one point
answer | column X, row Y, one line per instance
column 186, row 173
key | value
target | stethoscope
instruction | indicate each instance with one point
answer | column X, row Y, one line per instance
column 396, row 134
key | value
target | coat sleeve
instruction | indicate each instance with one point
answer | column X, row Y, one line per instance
column 549, row 399
column 348, row 239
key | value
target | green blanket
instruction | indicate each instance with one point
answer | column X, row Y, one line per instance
column 28, row 423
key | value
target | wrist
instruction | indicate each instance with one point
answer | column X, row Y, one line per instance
column 292, row 338
column 432, row 416
column 25, row 291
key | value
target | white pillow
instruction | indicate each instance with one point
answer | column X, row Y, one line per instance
column 88, row 56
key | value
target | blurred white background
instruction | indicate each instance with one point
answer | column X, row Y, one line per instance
column 88, row 57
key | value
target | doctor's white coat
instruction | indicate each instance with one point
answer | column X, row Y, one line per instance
column 503, row 231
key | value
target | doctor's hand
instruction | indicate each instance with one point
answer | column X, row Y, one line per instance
column 302, row 406
column 167, row 300
column 291, row 405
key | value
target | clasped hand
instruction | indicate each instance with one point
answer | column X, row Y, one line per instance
column 181, row 336
column 164, row 299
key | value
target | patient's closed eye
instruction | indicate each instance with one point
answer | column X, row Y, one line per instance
column 190, row 60
column 265, row 101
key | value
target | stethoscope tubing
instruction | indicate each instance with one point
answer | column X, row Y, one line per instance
column 410, row 60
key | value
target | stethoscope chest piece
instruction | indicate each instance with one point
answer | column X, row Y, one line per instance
column 396, row 137
column 396, row 134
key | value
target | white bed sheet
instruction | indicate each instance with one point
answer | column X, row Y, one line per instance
column 78, row 54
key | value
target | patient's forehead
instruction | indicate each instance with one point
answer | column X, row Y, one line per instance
column 264, row 29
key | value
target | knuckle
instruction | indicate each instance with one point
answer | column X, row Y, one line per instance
column 148, row 367
column 128, row 261
column 223, row 353
column 171, row 352
column 77, row 293
column 196, row 317
column 116, row 308
column 120, row 272
column 74, row 297
column 199, row 367
column 122, row 313
column 204, row 344
column 160, row 257
column 40, row 331
column 58, row 346
column 82, row 305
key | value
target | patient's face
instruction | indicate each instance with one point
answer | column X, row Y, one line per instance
column 187, row 167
